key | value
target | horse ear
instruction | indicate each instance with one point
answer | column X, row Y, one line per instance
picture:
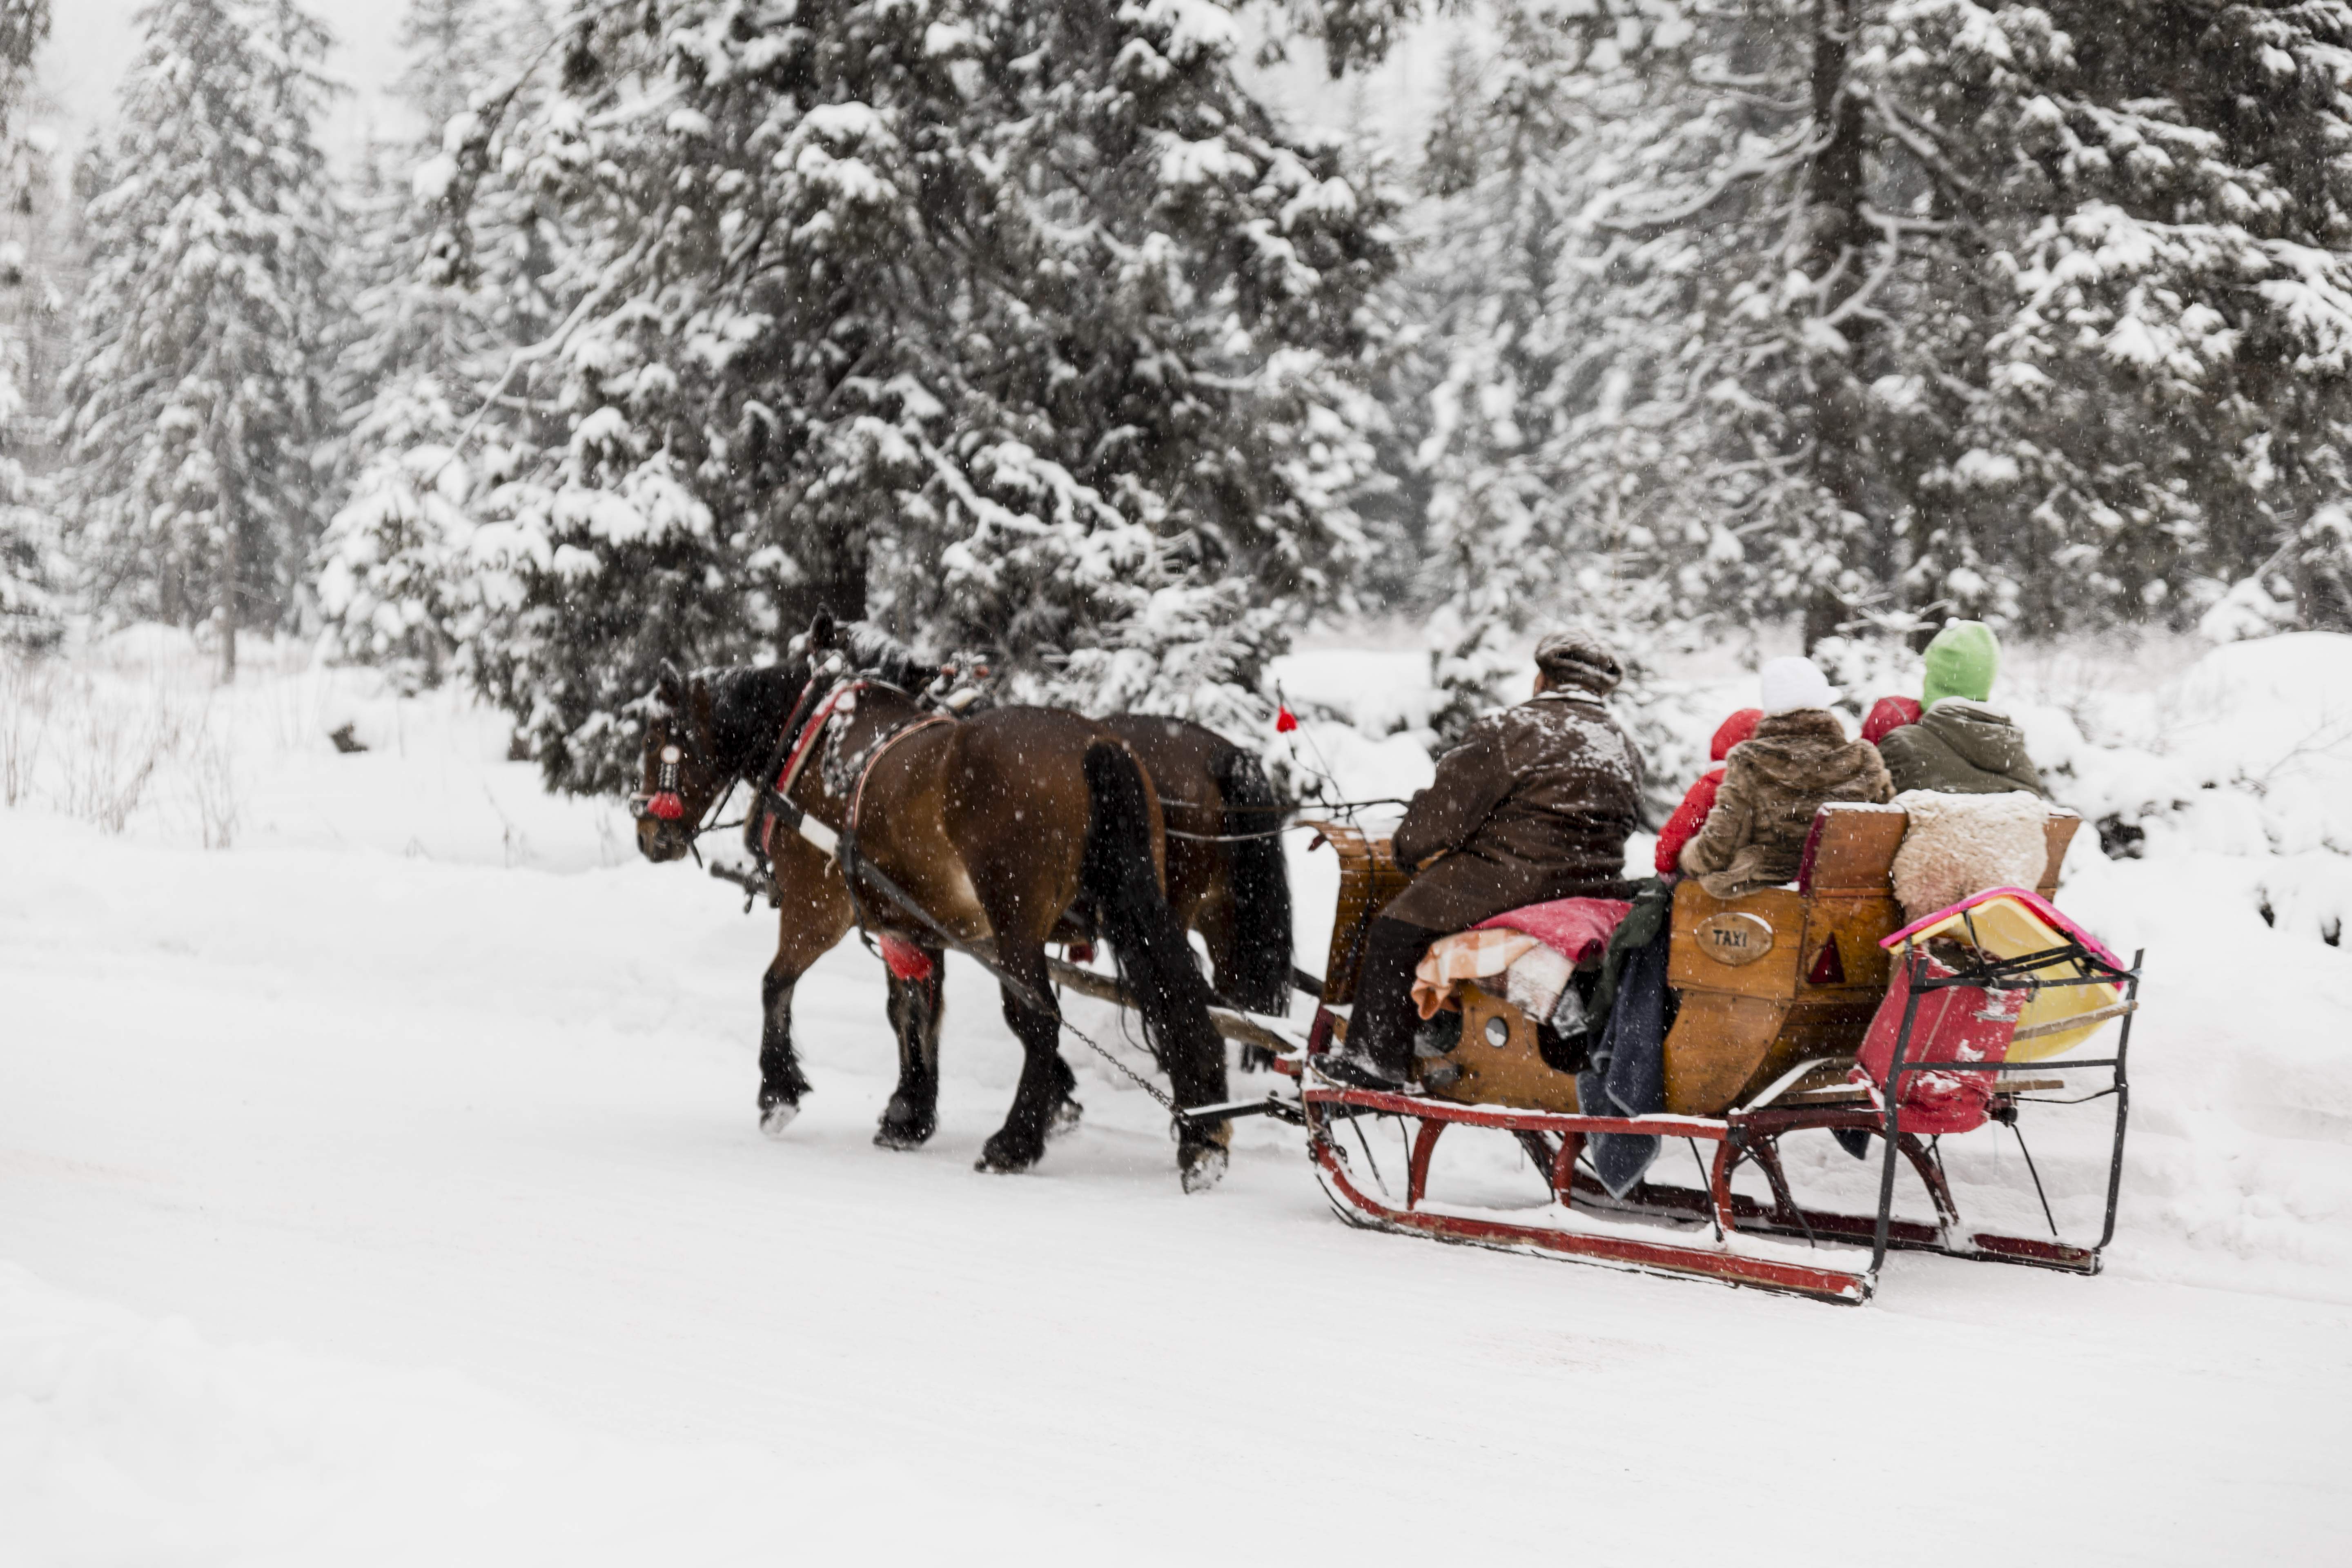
column 670, row 691
column 820, row 633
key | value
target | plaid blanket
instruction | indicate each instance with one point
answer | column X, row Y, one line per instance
column 1465, row 955
column 1575, row 929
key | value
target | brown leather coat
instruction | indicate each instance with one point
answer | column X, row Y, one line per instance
column 1534, row 804
column 1772, row 786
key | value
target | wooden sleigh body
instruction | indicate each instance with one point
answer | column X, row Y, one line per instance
column 1777, row 991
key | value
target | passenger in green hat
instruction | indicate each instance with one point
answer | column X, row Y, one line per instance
column 1961, row 662
column 1960, row 745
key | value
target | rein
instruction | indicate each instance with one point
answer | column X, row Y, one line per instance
column 1344, row 807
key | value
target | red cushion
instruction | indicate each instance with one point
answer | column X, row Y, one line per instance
column 1954, row 1023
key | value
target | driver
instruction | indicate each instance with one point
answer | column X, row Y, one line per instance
column 1535, row 804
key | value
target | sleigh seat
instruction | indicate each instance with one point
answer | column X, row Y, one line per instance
column 1774, row 979
column 1787, row 975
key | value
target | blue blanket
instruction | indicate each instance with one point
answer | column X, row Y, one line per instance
column 1628, row 1072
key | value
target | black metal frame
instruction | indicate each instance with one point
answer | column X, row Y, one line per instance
column 2013, row 974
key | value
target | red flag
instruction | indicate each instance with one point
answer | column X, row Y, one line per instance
column 1285, row 721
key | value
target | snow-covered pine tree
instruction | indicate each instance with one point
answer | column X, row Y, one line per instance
column 1894, row 308
column 196, row 428
column 2143, row 256
column 393, row 580
column 29, row 555
column 1497, row 191
column 1017, row 328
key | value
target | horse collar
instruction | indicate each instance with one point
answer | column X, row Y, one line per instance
column 846, row 692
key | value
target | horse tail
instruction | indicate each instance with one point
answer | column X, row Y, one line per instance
column 1121, row 884
column 1255, row 974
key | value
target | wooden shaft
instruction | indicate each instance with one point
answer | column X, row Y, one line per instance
column 1233, row 1026
column 2065, row 1026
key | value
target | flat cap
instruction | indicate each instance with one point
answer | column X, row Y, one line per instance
column 1577, row 658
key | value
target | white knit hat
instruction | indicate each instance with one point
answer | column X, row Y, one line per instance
column 1793, row 683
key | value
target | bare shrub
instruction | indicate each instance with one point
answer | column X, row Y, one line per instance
column 212, row 772
column 23, row 723
column 104, row 769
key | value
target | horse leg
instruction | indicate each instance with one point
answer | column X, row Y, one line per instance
column 1198, row 1077
column 782, row 1083
column 1045, row 1078
column 1066, row 1108
column 1220, row 935
column 1154, row 955
column 814, row 912
column 916, row 1009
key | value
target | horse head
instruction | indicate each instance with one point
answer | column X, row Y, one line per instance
column 681, row 775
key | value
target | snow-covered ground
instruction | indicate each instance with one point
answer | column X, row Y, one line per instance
column 383, row 1187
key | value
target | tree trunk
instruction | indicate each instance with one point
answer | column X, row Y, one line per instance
column 1824, row 614
column 830, row 551
column 2320, row 567
column 1837, row 240
column 225, row 612
column 226, row 513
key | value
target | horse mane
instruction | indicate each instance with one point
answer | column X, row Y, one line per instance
column 749, row 703
column 872, row 652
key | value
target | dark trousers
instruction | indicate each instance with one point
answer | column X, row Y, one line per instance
column 1382, row 1026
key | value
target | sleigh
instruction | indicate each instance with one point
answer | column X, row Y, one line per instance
column 1781, row 1030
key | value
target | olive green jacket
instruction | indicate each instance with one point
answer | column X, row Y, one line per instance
column 1960, row 747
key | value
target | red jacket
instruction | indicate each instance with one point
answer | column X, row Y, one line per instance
column 1691, row 815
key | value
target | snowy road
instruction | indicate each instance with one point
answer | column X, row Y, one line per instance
column 398, row 1114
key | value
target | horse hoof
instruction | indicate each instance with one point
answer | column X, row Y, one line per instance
column 774, row 1119
column 1006, row 1155
column 1202, row 1167
column 1064, row 1117
column 893, row 1135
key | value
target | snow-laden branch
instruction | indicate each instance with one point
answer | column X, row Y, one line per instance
column 1800, row 148
column 553, row 344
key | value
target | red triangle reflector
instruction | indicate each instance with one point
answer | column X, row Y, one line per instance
column 1828, row 968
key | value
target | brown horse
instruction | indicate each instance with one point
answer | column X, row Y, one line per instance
column 1009, row 829
column 1226, row 876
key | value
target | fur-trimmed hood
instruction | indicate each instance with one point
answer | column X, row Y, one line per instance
column 1772, row 786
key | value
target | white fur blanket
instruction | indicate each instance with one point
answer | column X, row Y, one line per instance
column 1962, row 844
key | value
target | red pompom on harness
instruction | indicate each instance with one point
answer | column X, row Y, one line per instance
column 905, row 961
column 665, row 802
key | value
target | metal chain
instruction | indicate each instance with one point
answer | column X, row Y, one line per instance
column 1167, row 1102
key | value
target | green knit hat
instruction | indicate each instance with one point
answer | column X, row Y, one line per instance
column 1961, row 662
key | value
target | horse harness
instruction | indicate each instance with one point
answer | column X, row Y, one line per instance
column 774, row 804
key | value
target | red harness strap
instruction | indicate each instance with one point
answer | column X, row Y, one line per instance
column 801, row 748
column 903, row 958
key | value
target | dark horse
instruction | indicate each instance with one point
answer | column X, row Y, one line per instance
column 1013, row 829
column 1226, row 876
